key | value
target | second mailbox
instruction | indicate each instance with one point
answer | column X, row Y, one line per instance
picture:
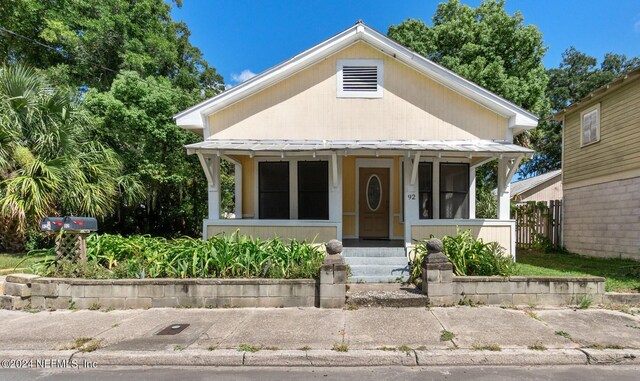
column 80, row 224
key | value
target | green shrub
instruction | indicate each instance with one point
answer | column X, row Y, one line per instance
column 222, row 256
column 468, row 256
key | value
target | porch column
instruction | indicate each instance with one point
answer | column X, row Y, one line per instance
column 238, row 190
column 211, row 167
column 335, row 192
column 411, row 196
column 504, row 191
column 507, row 167
column 472, row 192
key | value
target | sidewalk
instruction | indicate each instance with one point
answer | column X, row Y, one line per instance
column 320, row 337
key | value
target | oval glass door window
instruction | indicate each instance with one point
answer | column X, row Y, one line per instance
column 374, row 192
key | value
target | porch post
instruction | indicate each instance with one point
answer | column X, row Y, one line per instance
column 335, row 191
column 411, row 196
column 504, row 190
column 472, row 192
column 238, row 190
column 211, row 167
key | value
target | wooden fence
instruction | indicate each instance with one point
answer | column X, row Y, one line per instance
column 537, row 223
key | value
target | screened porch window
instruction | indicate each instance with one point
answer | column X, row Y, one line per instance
column 454, row 190
column 425, row 190
column 313, row 190
column 273, row 189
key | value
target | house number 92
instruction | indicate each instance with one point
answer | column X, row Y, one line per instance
column 411, row 196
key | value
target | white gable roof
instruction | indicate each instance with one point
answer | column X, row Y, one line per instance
column 519, row 119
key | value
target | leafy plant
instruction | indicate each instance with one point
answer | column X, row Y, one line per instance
column 221, row 256
column 469, row 256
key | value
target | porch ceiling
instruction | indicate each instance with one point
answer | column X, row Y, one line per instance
column 241, row 146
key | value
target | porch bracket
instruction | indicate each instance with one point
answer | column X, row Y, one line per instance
column 334, row 169
column 511, row 169
column 414, row 169
column 210, row 170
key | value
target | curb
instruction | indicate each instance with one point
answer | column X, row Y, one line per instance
column 326, row 358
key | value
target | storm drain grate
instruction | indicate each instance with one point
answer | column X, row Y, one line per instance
column 173, row 329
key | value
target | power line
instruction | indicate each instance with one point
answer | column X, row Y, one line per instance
column 48, row 46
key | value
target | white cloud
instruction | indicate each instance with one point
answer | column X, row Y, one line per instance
column 245, row 75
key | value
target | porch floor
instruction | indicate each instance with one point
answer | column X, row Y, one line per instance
column 373, row 243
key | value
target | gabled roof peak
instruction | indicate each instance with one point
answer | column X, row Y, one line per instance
column 519, row 119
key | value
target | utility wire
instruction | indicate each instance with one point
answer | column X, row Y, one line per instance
column 47, row 46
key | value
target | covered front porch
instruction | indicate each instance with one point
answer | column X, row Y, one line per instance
column 358, row 191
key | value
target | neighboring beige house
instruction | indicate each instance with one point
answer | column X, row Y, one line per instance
column 545, row 187
column 358, row 138
column 601, row 171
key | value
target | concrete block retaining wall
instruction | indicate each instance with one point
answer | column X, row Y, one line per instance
column 62, row 293
column 554, row 291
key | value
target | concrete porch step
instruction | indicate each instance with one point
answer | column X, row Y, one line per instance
column 373, row 252
column 394, row 261
column 380, row 270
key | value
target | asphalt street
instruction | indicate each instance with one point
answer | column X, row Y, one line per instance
column 480, row 373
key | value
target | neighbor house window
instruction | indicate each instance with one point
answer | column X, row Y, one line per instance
column 590, row 125
column 425, row 190
column 313, row 190
column 454, row 190
column 359, row 78
column 273, row 189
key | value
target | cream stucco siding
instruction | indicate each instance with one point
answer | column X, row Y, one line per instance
column 305, row 106
column 617, row 152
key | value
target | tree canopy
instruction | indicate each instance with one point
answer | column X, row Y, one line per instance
column 88, row 42
column 128, row 67
column 485, row 45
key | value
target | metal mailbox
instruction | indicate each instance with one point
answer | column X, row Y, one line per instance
column 51, row 224
column 83, row 224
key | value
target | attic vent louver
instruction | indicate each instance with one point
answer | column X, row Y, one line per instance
column 359, row 78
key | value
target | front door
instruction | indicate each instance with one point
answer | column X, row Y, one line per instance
column 373, row 204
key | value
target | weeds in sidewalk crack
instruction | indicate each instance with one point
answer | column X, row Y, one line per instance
column 340, row 348
column 248, row 348
column 537, row 346
column 487, row 347
column 447, row 335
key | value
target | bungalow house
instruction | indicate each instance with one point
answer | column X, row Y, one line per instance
column 601, row 170
column 358, row 139
column 544, row 187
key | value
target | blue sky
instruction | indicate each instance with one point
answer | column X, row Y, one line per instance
column 240, row 37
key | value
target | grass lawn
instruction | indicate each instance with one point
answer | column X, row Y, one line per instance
column 622, row 275
column 9, row 262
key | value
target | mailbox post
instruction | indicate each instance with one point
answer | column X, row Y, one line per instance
column 71, row 240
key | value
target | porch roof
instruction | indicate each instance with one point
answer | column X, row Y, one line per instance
column 240, row 146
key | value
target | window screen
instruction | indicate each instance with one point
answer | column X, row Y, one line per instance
column 273, row 186
column 313, row 190
column 454, row 190
column 425, row 190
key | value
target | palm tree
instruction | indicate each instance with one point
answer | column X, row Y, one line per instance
column 49, row 164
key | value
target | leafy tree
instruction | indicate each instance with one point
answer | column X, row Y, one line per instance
column 485, row 45
column 135, row 67
column 87, row 42
column 135, row 120
column 49, row 164
column 577, row 75
column 489, row 47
